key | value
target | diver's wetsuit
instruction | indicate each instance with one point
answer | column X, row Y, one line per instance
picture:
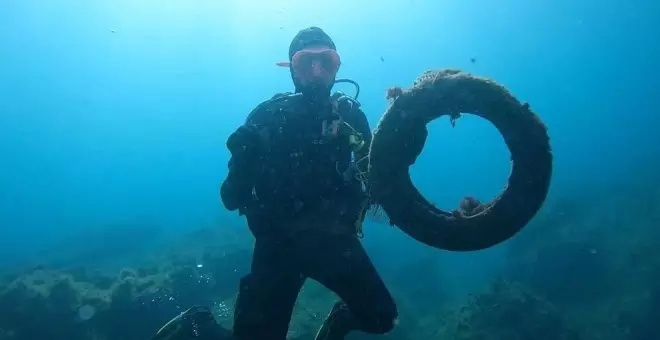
column 302, row 205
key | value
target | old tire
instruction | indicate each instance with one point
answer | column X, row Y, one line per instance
column 399, row 139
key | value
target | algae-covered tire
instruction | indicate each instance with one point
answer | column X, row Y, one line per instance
column 399, row 139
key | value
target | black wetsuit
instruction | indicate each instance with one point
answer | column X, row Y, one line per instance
column 302, row 208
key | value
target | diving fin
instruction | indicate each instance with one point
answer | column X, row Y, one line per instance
column 195, row 323
column 337, row 324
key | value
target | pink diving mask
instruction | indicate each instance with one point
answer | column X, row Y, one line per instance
column 314, row 65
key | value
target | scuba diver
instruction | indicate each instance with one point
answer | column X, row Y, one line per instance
column 297, row 173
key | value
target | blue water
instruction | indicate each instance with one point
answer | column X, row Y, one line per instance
column 114, row 114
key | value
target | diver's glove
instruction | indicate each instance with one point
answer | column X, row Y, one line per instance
column 245, row 143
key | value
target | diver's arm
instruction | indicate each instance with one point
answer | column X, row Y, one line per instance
column 236, row 189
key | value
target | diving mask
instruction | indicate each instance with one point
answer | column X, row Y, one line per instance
column 314, row 65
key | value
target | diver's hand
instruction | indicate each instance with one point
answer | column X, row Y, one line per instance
column 245, row 142
column 469, row 206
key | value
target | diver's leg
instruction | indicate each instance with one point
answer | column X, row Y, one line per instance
column 340, row 263
column 268, row 293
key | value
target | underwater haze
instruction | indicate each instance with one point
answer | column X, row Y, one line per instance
column 114, row 114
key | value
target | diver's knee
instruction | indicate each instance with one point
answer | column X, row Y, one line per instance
column 386, row 322
column 381, row 321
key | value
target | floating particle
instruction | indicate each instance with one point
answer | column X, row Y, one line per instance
column 86, row 312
